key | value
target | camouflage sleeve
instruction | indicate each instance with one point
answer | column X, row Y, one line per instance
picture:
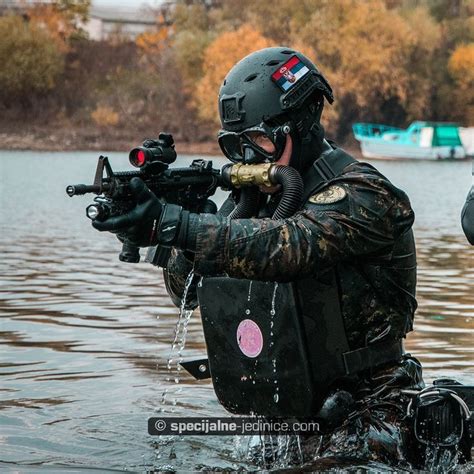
column 180, row 265
column 175, row 276
column 359, row 214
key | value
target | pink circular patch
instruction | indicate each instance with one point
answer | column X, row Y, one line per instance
column 249, row 338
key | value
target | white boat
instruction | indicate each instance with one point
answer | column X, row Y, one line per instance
column 467, row 138
column 421, row 140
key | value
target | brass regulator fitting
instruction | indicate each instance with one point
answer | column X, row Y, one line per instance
column 251, row 175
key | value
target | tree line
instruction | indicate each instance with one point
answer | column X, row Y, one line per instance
column 390, row 61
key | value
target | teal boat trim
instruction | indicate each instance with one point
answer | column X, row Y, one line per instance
column 421, row 140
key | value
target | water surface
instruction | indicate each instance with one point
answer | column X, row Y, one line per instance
column 85, row 339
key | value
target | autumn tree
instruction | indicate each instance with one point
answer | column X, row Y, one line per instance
column 30, row 59
column 219, row 57
column 363, row 49
column 422, row 63
column 461, row 68
column 62, row 19
column 153, row 43
column 195, row 28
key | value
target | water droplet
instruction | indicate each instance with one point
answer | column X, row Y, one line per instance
column 247, row 311
column 276, row 398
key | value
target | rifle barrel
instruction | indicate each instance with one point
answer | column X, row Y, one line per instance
column 79, row 189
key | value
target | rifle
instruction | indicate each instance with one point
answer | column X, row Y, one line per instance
column 189, row 187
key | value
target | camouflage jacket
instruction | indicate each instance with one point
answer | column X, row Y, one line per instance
column 360, row 224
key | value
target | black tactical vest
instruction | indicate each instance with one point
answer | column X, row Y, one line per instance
column 276, row 349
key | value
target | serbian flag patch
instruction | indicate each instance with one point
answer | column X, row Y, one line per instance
column 287, row 76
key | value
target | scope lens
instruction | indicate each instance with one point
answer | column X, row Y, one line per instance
column 92, row 211
column 138, row 157
column 141, row 158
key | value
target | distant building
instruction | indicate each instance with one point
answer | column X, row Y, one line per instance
column 105, row 21
column 108, row 21
column 18, row 6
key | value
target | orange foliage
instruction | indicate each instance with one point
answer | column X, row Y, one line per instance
column 365, row 45
column 154, row 42
column 461, row 65
column 105, row 116
column 219, row 57
column 55, row 22
column 461, row 68
column 363, row 49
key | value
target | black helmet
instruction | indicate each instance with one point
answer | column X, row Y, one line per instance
column 274, row 91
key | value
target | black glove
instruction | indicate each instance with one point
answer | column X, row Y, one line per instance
column 139, row 225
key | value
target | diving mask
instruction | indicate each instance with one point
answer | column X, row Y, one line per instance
column 246, row 146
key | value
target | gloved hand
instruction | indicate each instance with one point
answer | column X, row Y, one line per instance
column 139, row 225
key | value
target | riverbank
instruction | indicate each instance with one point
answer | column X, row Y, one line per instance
column 88, row 139
column 39, row 138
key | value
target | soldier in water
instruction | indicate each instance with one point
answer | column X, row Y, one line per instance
column 340, row 270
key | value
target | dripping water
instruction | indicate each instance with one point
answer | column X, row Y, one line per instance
column 177, row 346
column 276, row 395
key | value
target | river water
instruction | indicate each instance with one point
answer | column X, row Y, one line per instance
column 85, row 339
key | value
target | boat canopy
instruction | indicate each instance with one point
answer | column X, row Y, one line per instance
column 446, row 135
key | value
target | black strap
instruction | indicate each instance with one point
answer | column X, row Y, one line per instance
column 328, row 166
column 372, row 356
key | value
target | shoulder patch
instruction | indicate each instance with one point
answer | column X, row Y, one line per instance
column 329, row 196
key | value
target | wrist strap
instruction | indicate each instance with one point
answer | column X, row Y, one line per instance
column 169, row 224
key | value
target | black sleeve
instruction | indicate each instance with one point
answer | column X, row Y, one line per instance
column 175, row 275
column 180, row 265
column 467, row 217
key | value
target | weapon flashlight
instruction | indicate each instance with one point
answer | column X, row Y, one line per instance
column 92, row 211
